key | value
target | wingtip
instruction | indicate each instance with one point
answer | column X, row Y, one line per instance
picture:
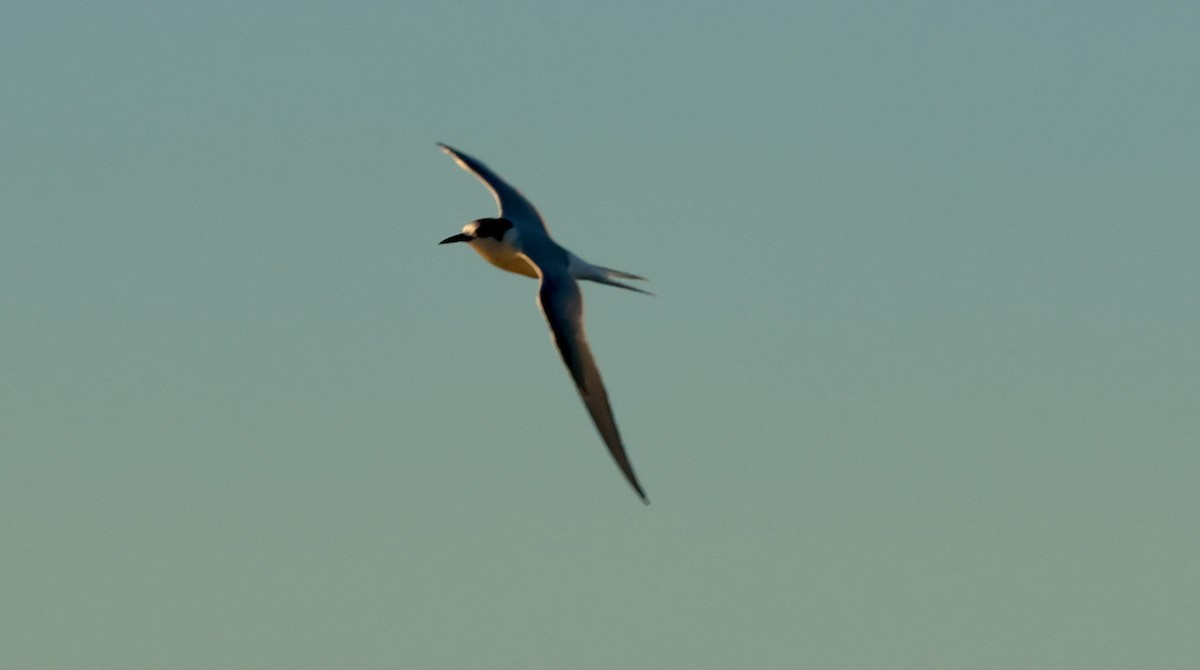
column 637, row 488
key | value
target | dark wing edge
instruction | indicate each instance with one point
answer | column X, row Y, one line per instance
column 513, row 206
column 561, row 303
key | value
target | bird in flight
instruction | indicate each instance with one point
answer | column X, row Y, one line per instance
column 517, row 241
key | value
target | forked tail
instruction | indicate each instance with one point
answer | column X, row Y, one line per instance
column 603, row 275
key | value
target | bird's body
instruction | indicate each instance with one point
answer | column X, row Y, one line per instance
column 503, row 255
column 517, row 241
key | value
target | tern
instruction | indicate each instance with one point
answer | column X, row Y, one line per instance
column 517, row 241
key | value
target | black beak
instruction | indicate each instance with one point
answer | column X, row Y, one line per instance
column 457, row 238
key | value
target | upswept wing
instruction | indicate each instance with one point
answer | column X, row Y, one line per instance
column 513, row 205
column 562, row 304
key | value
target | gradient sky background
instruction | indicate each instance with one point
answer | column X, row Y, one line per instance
column 920, row 387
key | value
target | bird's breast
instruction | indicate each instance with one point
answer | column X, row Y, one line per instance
column 504, row 257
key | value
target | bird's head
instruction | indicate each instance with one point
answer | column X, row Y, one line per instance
column 497, row 231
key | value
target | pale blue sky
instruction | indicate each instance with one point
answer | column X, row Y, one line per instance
column 920, row 387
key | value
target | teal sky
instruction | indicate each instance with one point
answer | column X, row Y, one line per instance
column 920, row 387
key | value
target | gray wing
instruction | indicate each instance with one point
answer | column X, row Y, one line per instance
column 562, row 304
column 513, row 205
